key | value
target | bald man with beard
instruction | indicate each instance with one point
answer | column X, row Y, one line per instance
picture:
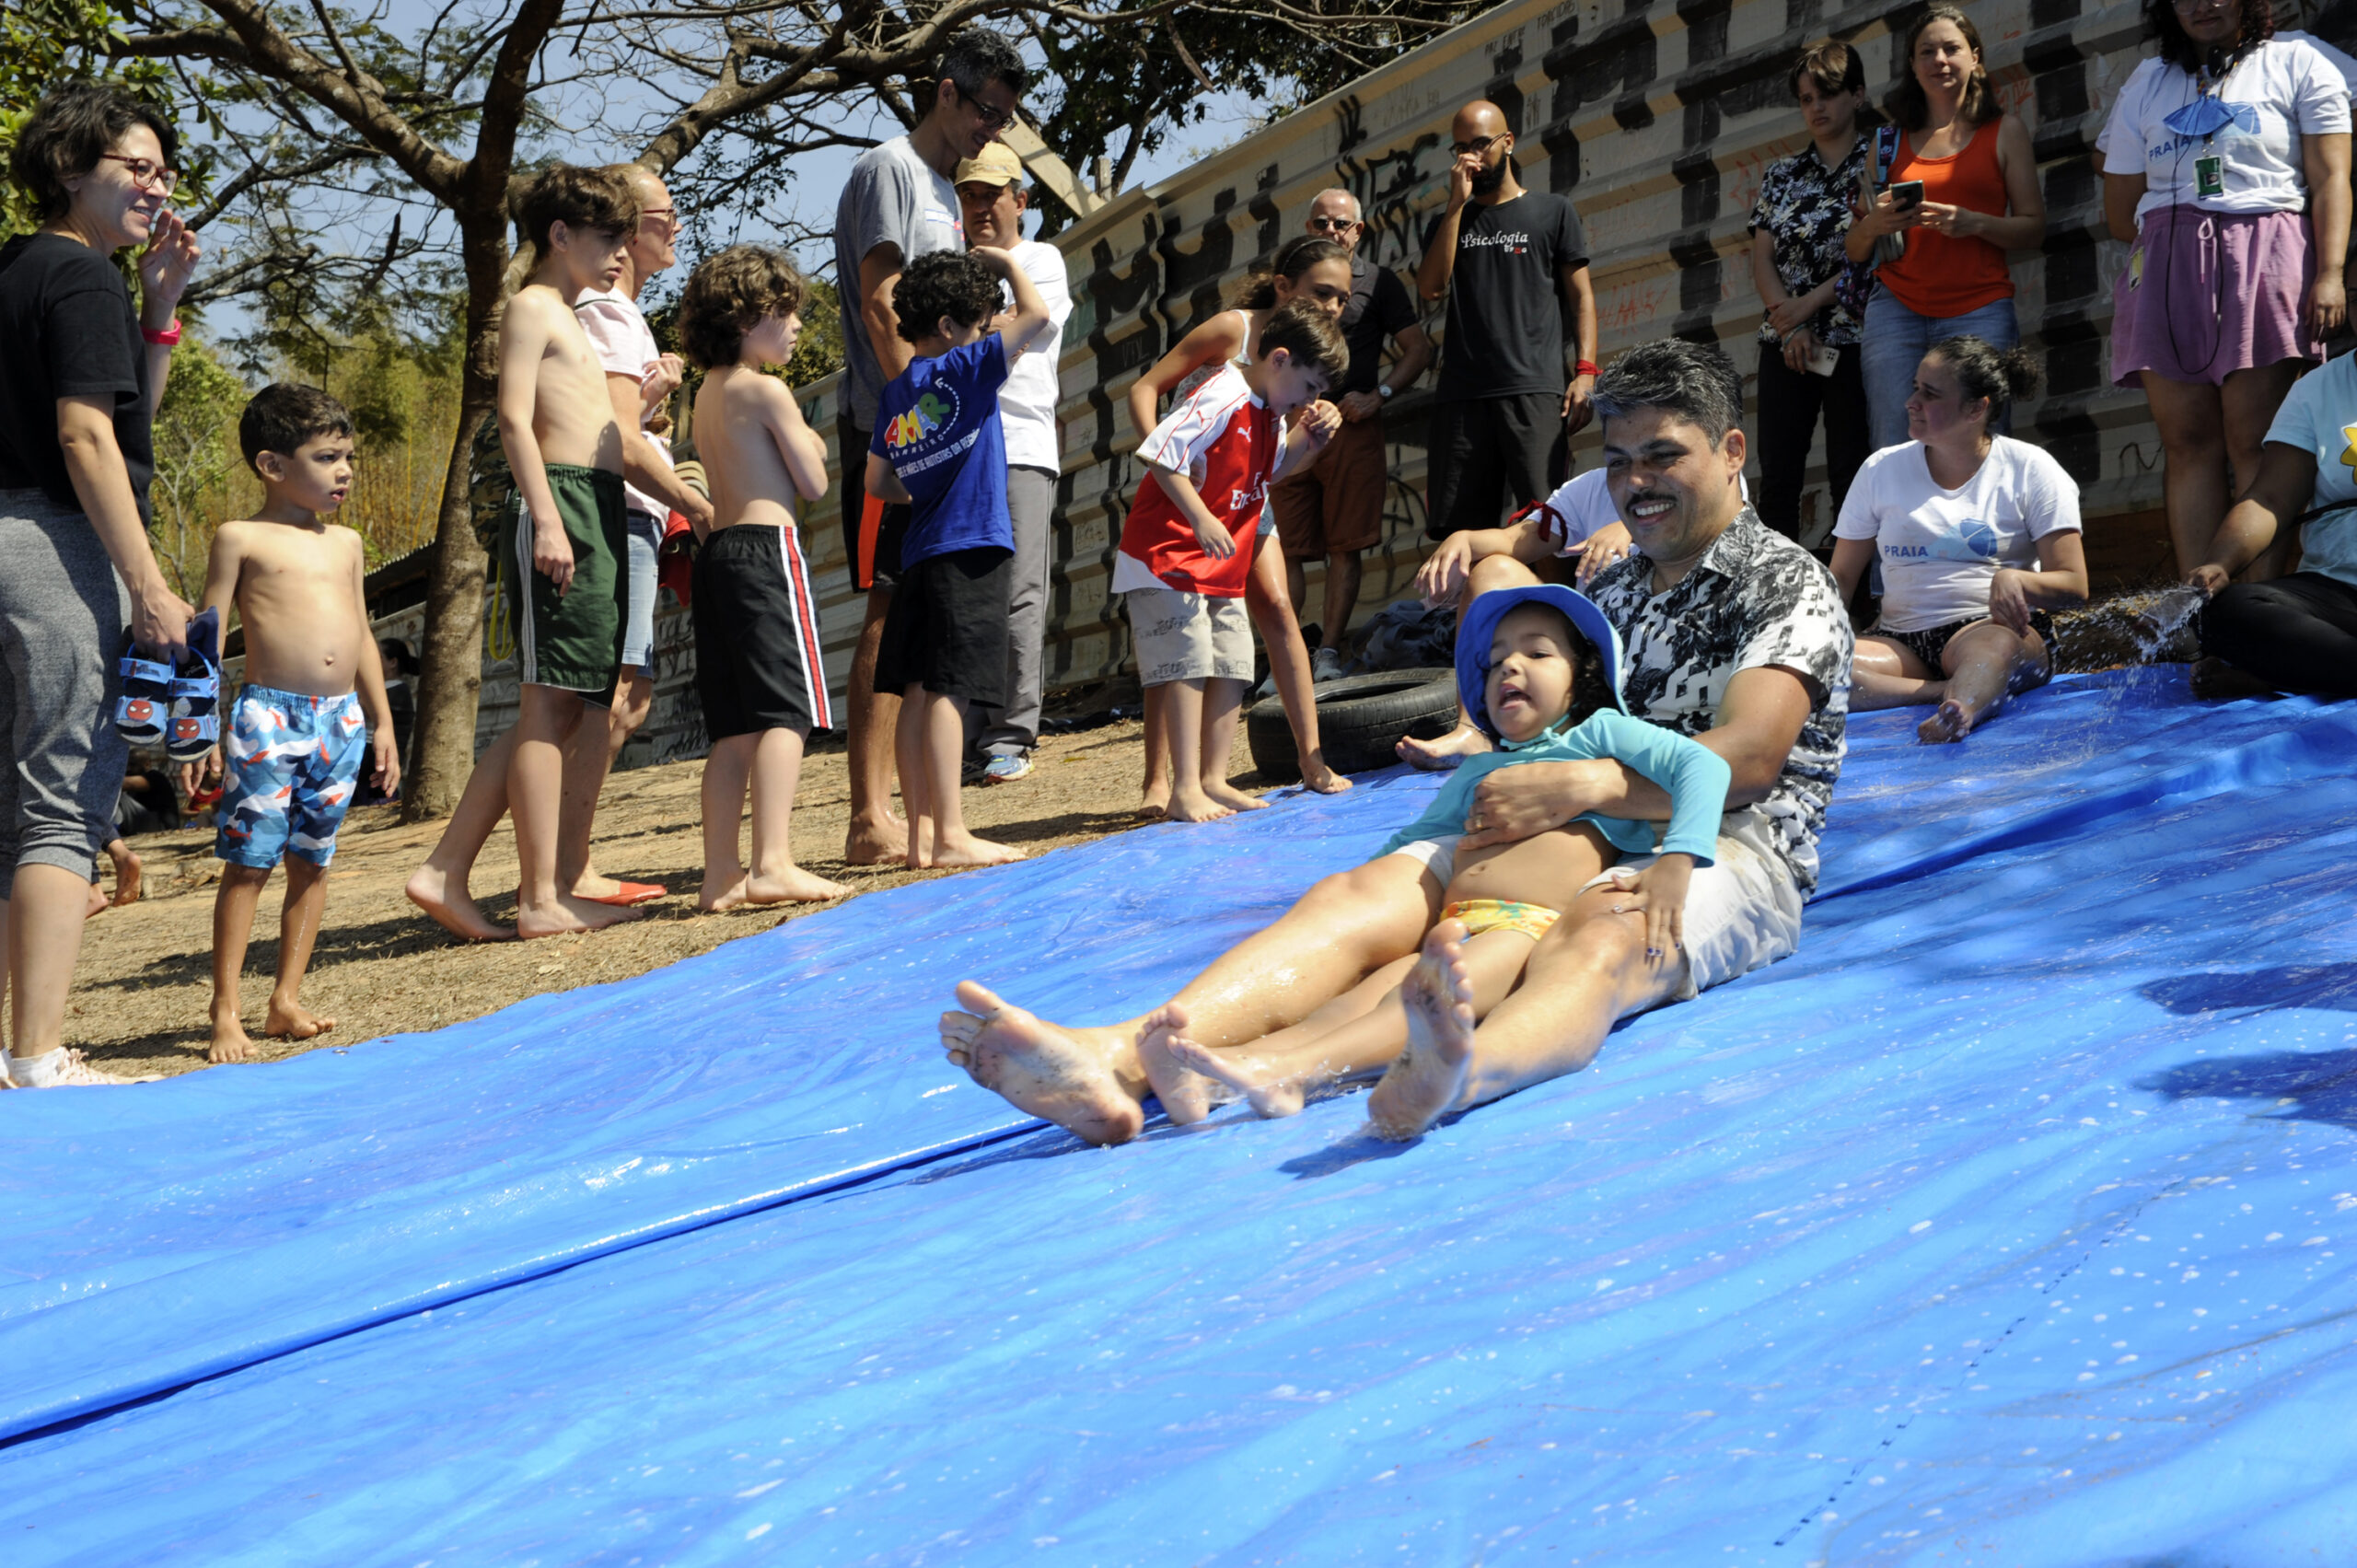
column 1513, row 384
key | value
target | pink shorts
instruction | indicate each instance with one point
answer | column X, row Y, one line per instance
column 2208, row 294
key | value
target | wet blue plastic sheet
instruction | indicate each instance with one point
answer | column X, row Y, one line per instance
column 1802, row 1261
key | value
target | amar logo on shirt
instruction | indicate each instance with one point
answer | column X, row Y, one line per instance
column 934, row 412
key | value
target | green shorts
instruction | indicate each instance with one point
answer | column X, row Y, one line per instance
column 572, row 641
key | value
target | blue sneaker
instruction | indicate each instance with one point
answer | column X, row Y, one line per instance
column 1007, row 767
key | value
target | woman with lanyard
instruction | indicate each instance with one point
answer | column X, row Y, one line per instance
column 2226, row 168
column 86, row 372
column 1808, row 345
column 1978, row 537
column 1957, row 187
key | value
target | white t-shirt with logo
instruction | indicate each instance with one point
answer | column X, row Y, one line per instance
column 1027, row 404
column 2319, row 416
column 624, row 344
column 1941, row 548
column 2282, row 89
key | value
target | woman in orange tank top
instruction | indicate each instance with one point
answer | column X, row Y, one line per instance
column 1980, row 199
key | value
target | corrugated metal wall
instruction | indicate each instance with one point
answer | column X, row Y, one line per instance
column 1658, row 120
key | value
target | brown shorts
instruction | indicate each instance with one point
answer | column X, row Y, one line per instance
column 1337, row 502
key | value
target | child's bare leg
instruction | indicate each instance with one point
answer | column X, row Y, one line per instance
column 588, row 758
column 1223, row 701
column 535, row 803
column 916, row 793
column 1987, row 663
column 233, row 927
column 777, row 768
column 439, row 887
column 1182, row 736
column 298, row 928
column 1155, row 796
column 1884, row 674
column 1277, row 1082
column 726, row 771
column 126, row 872
column 1429, row 1075
column 945, row 746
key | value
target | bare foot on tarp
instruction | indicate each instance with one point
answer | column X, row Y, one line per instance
column 1187, row 1096
column 1950, row 721
column 1195, row 806
column 1439, row 756
column 1273, row 1090
column 452, row 908
column 1427, row 1078
column 1063, row 1076
column 1319, row 779
column 1222, row 792
column 293, row 1021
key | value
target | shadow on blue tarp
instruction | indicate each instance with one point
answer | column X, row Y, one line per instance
column 1981, row 1218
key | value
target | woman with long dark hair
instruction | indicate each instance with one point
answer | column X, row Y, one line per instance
column 85, row 371
column 2226, row 169
column 1978, row 200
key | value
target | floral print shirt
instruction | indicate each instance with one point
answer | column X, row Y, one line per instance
column 1804, row 207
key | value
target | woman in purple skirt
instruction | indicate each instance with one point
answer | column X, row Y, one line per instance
column 2226, row 171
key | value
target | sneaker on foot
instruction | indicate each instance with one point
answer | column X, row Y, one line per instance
column 63, row 1069
column 1325, row 665
column 1006, row 767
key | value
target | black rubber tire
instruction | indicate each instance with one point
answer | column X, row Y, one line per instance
column 1360, row 719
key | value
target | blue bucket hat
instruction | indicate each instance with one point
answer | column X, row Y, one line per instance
column 1480, row 624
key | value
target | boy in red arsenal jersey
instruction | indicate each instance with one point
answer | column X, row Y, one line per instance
column 1187, row 547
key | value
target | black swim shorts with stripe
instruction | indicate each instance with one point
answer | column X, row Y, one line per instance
column 758, row 665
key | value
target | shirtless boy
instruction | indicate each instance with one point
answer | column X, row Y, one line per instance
column 295, row 738
column 757, row 670
column 562, row 548
column 1539, row 667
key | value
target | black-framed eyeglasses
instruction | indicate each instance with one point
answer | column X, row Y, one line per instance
column 146, row 173
column 1333, row 226
column 992, row 119
column 1478, row 144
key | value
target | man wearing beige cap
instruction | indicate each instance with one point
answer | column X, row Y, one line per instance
column 992, row 198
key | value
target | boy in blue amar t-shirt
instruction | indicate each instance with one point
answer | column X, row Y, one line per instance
column 938, row 449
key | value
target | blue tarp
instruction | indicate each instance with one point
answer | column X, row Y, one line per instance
column 2000, row 1224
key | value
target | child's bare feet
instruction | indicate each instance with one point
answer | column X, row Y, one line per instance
column 126, row 877
column 229, row 1041
column 1428, row 1077
column 293, row 1021
column 97, row 905
column 1156, row 802
column 1223, row 793
column 1439, row 756
column 453, row 908
column 1950, row 721
column 1271, row 1090
column 1186, row 1094
column 872, row 840
column 1197, row 806
column 1319, row 779
column 567, row 916
column 1060, row 1075
column 791, row 886
column 956, row 851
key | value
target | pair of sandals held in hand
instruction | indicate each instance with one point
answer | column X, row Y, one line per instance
column 177, row 707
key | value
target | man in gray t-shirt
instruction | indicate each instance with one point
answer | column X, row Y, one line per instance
column 898, row 205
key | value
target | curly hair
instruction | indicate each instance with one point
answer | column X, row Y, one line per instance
column 70, row 131
column 1294, row 259
column 1909, row 105
column 1311, row 336
column 284, row 415
column 730, row 294
column 956, row 284
column 2179, row 50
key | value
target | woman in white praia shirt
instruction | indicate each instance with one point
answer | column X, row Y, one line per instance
column 1978, row 537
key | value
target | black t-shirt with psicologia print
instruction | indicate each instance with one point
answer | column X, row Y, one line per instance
column 1506, row 328
column 71, row 331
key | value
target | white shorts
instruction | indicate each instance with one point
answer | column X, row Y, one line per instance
column 1184, row 636
column 1743, row 911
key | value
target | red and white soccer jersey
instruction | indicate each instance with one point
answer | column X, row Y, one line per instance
column 1227, row 442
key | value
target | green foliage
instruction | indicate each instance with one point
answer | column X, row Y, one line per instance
column 820, row 349
column 48, row 44
column 198, row 465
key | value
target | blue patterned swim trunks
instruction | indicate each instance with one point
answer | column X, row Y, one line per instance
column 290, row 763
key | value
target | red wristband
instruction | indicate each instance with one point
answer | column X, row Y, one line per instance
column 1585, row 368
column 170, row 337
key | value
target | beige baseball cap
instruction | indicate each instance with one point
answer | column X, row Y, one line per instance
column 997, row 166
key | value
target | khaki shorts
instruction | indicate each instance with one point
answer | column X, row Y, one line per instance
column 1336, row 504
column 1184, row 636
column 1743, row 911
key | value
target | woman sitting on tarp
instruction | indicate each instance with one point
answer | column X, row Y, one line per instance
column 1977, row 536
column 2299, row 632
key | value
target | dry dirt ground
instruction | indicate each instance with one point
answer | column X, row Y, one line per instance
column 144, row 982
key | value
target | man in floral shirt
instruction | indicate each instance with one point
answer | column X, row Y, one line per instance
column 1813, row 294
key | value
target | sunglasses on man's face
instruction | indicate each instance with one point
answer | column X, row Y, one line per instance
column 1333, row 226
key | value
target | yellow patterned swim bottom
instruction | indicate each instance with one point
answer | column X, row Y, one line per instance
column 1499, row 914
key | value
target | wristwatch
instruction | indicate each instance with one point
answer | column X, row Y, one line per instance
column 1384, row 391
